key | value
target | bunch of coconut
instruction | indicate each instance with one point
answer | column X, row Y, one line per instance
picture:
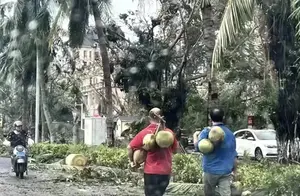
column 160, row 139
column 216, row 135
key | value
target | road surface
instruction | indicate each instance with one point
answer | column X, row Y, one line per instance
column 44, row 183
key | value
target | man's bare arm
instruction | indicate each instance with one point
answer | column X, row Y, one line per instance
column 195, row 137
column 130, row 153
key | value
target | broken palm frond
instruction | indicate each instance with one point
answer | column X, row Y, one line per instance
column 185, row 189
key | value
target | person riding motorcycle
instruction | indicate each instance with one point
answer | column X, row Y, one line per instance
column 17, row 137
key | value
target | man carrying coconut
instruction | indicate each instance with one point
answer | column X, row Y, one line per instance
column 158, row 163
column 219, row 164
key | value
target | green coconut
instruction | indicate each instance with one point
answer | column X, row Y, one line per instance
column 164, row 139
column 205, row 146
column 216, row 134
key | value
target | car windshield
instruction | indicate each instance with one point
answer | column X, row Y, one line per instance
column 265, row 135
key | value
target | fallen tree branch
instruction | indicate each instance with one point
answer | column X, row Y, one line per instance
column 196, row 77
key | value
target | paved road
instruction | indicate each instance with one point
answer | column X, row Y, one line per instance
column 44, row 183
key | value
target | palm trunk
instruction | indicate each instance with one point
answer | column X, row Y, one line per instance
column 106, row 71
column 211, row 23
column 46, row 110
column 44, row 103
column 25, row 112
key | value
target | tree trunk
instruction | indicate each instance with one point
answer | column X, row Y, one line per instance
column 26, row 105
column 281, row 46
column 44, row 103
column 106, row 71
column 75, row 128
column 75, row 133
column 212, row 16
column 43, row 127
column 46, row 110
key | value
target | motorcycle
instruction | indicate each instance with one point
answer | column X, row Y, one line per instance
column 19, row 158
column 20, row 161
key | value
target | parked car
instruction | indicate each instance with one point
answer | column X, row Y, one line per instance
column 257, row 144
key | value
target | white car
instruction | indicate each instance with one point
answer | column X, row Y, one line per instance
column 258, row 144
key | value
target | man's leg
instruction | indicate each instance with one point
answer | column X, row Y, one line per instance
column 162, row 183
column 210, row 183
column 224, row 185
column 149, row 184
column 155, row 185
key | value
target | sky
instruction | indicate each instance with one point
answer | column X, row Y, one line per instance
column 121, row 6
column 146, row 10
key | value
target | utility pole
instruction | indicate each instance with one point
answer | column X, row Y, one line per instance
column 37, row 97
column 37, row 87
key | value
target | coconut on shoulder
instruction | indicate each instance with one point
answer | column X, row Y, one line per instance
column 205, row 146
column 164, row 138
column 216, row 134
column 149, row 142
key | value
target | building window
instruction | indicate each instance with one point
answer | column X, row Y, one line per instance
column 96, row 55
column 85, row 98
column 90, row 54
column 84, row 54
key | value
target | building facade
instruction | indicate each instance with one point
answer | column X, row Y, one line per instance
column 92, row 82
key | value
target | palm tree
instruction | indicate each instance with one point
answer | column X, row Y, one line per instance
column 281, row 19
column 22, row 64
column 211, row 21
column 79, row 17
column 18, row 54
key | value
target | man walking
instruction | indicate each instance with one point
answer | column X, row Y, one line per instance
column 158, row 164
column 219, row 164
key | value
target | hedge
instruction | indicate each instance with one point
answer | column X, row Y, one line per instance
column 279, row 179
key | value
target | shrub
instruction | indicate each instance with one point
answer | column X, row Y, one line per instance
column 275, row 179
column 99, row 155
column 187, row 168
column 112, row 157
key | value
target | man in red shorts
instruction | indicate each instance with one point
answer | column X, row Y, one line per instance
column 158, row 164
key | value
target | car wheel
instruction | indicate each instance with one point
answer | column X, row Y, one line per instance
column 258, row 154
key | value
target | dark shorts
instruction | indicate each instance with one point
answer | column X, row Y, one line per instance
column 155, row 185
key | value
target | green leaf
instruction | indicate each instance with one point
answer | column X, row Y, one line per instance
column 237, row 13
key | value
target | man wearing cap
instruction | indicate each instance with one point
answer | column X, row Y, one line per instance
column 158, row 163
column 222, row 162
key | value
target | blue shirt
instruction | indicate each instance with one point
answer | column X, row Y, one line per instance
column 221, row 160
